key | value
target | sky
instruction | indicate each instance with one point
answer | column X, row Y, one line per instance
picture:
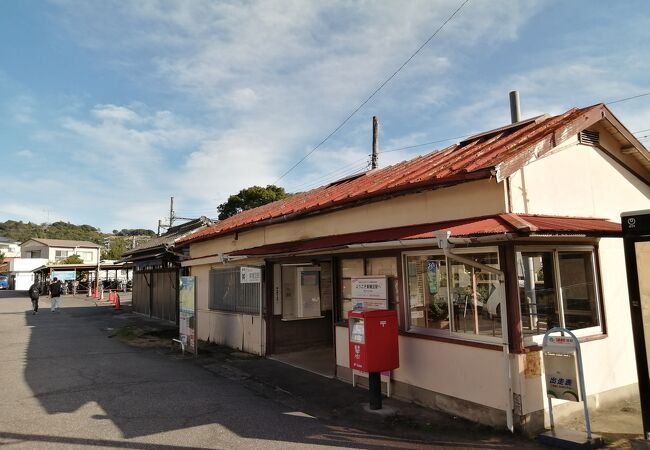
column 108, row 109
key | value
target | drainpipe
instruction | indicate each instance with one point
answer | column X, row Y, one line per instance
column 446, row 243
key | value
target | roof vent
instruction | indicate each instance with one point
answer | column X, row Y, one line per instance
column 588, row 137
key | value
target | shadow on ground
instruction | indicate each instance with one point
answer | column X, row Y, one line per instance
column 73, row 360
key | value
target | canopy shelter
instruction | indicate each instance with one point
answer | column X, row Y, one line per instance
column 111, row 275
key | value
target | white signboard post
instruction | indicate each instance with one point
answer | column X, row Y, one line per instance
column 187, row 313
column 565, row 380
column 370, row 292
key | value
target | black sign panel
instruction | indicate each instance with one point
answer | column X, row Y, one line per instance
column 636, row 241
column 636, row 223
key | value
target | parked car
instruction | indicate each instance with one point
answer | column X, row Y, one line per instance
column 4, row 282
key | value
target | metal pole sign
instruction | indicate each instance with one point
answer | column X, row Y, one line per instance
column 564, row 373
column 636, row 241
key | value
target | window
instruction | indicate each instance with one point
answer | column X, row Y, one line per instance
column 34, row 254
column 61, row 254
column 227, row 293
column 86, row 256
column 456, row 295
column 301, row 293
column 557, row 287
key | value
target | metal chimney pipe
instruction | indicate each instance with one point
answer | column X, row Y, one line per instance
column 515, row 108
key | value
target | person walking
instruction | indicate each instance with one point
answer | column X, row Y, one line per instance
column 55, row 294
column 34, row 292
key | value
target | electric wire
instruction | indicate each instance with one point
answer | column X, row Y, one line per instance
column 627, row 98
column 375, row 92
column 351, row 171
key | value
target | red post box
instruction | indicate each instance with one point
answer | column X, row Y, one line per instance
column 373, row 340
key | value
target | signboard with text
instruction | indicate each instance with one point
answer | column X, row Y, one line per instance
column 187, row 313
column 64, row 275
column 561, row 368
column 250, row 275
column 370, row 292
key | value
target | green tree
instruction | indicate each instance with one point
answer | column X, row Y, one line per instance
column 250, row 198
column 118, row 247
column 73, row 259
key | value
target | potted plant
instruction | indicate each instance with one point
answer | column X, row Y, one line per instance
column 438, row 313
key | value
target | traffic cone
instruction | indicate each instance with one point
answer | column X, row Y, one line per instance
column 110, row 296
column 118, row 306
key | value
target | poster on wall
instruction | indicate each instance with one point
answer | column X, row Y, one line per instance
column 187, row 313
column 370, row 292
column 432, row 276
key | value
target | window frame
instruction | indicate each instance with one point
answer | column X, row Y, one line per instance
column 447, row 334
column 536, row 340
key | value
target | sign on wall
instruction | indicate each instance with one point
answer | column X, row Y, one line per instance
column 187, row 313
column 64, row 275
column 370, row 292
column 250, row 275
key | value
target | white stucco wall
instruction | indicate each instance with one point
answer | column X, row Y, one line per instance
column 585, row 181
column 468, row 373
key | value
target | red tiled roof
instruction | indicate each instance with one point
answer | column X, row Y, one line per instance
column 499, row 152
column 520, row 224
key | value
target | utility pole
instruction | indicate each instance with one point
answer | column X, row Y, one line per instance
column 159, row 222
column 375, row 143
column 171, row 212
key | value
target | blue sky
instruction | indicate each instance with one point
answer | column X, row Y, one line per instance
column 109, row 108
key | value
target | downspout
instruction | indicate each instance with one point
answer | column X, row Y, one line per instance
column 446, row 243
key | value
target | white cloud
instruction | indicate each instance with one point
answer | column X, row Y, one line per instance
column 25, row 153
column 115, row 113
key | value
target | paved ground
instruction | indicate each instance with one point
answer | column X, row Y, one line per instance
column 68, row 380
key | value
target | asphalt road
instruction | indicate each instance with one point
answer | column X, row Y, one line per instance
column 65, row 384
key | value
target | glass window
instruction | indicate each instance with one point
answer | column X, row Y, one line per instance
column 540, row 274
column 476, row 295
column 301, row 294
column 454, row 295
column 578, row 290
column 537, row 296
column 61, row 254
column 349, row 268
column 428, row 294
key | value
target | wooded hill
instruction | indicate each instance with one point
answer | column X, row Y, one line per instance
column 22, row 231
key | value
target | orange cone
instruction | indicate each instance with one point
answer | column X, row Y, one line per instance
column 110, row 296
column 118, row 306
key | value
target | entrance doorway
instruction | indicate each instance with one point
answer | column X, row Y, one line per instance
column 302, row 331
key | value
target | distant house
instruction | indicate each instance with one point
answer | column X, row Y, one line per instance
column 156, row 270
column 10, row 248
column 56, row 250
column 480, row 248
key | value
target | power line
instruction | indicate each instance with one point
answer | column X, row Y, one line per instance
column 640, row 131
column 333, row 176
column 381, row 86
column 346, row 167
column 628, row 98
